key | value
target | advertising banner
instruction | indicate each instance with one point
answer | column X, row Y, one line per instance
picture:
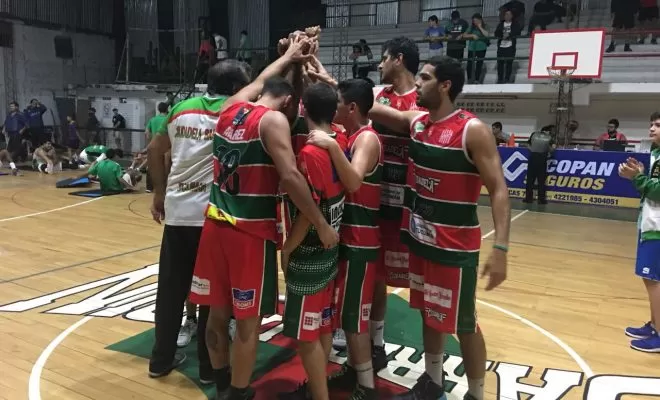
column 576, row 176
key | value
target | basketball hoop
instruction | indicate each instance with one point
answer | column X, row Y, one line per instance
column 560, row 74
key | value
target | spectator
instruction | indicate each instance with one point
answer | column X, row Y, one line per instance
column 648, row 20
column 92, row 126
column 517, row 8
column 455, row 30
column 541, row 145
column 34, row 116
column 506, row 33
column 611, row 134
column 362, row 57
column 118, row 123
column 479, row 42
column 220, row 47
column 14, row 129
column 502, row 138
column 544, row 14
column 244, row 48
column 205, row 58
column 623, row 20
column 171, row 99
column 435, row 35
column 156, row 124
column 73, row 137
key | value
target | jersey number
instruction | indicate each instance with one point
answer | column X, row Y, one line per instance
column 228, row 177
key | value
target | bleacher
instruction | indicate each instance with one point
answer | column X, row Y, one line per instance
column 640, row 65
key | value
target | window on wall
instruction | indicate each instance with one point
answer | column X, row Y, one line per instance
column 6, row 34
column 440, row 8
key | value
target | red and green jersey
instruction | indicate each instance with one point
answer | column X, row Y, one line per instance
column 311, row 266
column 360, row 235
column 245, row 180
column 440, row 220
column 395, row 148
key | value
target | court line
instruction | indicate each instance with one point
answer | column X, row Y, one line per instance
column 49, row 211
column 572, row 353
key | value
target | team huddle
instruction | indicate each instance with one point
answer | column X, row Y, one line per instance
column 379, row 187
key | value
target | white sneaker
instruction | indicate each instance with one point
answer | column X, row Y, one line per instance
column 339, row 340
column 232, row 329
column 187, row 332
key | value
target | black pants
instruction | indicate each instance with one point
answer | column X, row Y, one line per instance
column 15, row 146
column 457, row 54
column 475, row 64
column 537, row 170
column 505, row 67
column 150, row 183
column 178, row 253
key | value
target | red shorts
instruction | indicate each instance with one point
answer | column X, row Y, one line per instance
column 235, row 270
column 307, row 317
column 444, row 294
column 354, row 287
column 392, row 264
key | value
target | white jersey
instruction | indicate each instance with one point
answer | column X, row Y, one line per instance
column 191, row 127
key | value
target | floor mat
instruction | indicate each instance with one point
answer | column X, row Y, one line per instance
column 73, row 182
column 94, row 193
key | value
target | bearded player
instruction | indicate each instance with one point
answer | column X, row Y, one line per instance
column 360, row 170
column 398, row 68
column 451, row 153
column 236, row 267
column 309, row 268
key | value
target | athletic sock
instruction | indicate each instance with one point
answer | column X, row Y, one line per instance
column 222, row 378
column 476, row 388
column 365, row 375
column 377, row 328
column 12, row 165
column 433, row 364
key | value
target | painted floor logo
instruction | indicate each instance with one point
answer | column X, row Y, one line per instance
column 128, row 296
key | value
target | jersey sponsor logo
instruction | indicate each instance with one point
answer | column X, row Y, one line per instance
column 438, row 295
column 434, row 314
column 514, row 166
column 394, row 150
column 311, row 321
column 326, row 316
column 422, row 230
column 445, row 136
column 419, row 127
column 200, row 286
column 366, row 312
column 191, row 132
column 243, row 299
column 427, row 183
column 192, row 187
column 391, row 195
column 396, row 259
column 384, row 101
column 132, row 295
column 336, row 212
column 398, row 276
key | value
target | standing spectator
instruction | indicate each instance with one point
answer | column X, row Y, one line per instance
column 541, row 145
column 362, row 60
column 205, row 57
column 435, row 35
column 506, row 33
column 623, row 22
column 118, row 123
column 479, row 42
column 171, row 99
column 648, row 20
column 517, row 8
column 244, row 52
column 220, row 47
column 544, row 14
column 73, row 137
column 34, row 116
column 455, row 30
column 14, row 129
column 93, row 126
column 611, row 134
column 156, row 124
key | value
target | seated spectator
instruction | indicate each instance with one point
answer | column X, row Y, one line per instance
column 611, row 134
column 455, row 30
column 544, row 14
column 362, row 60
column 623, row 22
column 478, row 35
column 506, row 33
column 435, row 35
column 517, row 8
column 502, row 138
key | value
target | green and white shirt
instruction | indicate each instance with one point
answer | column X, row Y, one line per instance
column 649, row 187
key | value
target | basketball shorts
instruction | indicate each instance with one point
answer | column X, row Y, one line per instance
column 648, row 14
column 444, row 294
column 354, row 289
column 307, row 317
column 392, row 266
column 648, row 260
column 235, row 270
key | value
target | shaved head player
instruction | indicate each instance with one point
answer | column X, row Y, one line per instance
column 451, row 153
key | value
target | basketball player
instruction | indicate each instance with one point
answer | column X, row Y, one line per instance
column 44, row 158
column 360, row 174
column 398, row 68
column 451, row 152
column 180, row 198
column 92, row 153
column 253, row 157
column 309, row 268
column 648, row 247
column 5, row 157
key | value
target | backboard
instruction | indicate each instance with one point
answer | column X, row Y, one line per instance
column 579, row 49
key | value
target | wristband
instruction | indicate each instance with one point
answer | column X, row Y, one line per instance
column 501, row 247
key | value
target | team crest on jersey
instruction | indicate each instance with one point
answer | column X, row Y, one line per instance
column 419, row 127
column 385, row 101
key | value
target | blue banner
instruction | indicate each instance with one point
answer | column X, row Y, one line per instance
column 576, row 176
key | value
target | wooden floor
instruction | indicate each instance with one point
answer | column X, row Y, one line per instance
column 560, row 316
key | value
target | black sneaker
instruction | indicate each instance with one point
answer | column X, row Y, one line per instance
column 424, row 389
column 363, row 393
column 301, row 393
column 627, row 48
column 233, row 393
column 344, row 379
column 179, row 358
column 378, row 358
column 611, row 48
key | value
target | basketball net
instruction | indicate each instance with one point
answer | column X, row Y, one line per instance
column 560, row 74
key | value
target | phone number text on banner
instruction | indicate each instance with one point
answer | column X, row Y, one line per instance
column 576, row 176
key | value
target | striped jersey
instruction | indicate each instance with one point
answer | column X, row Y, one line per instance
column 190, row 127
column 440, row 218
column 311, row 266
column 395, row 148
column 245, row 181
column 359, row 234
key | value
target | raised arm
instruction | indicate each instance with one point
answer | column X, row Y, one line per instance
column 276, row 136
column 481, row 147
column 398, row 121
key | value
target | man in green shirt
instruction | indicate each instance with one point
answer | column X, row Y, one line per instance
column 92, row 153
column 110, row 174
column 156, row 124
